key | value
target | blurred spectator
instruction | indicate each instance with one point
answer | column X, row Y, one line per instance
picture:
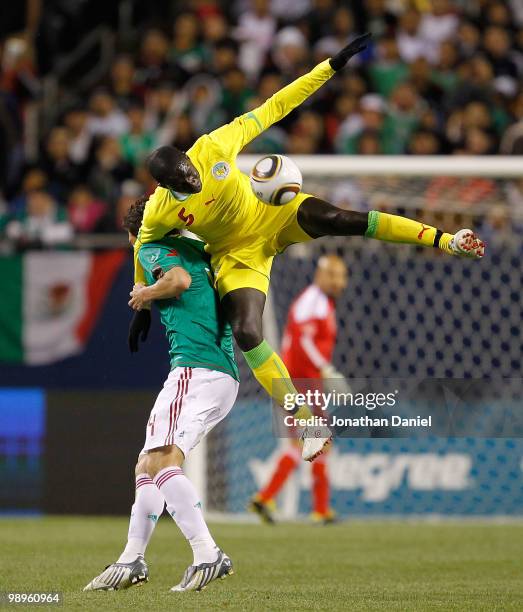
column 423, row 142
column 235, row 93
column 131, row 190
column 42, row 223
column 255, row 32
column 403, row 117
column 80, row 137
column 35, row 179
column 439, row 24
column 445, row 73
column 379, row 19
column 202, row 104
column 224, row 56
column 411, row 42
column 369, row 122
column 63, row 173
column 342, row 28
column 469, row 38
column 369, row 143
column 496, row 42
column 289, row 51
column 109, row 170
column 388, row 70
column 512, row 143
column 186, row 50
column 318, row 19
column 84, row 210
column 137, row 142
column 421, row 76
column 106, row 118
column 153, row 64
column 122, row 85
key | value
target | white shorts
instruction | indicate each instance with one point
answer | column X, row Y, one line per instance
column 191, row 403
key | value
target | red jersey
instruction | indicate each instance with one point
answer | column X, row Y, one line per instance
column 310, row 333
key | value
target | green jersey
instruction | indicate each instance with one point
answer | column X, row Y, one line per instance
column 198, row 335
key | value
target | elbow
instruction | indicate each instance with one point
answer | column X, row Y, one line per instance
column 183, row 282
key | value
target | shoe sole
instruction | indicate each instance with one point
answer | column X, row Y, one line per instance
column 471, row 246
column 320, row 452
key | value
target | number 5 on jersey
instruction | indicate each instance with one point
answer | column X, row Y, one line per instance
column 187, row 219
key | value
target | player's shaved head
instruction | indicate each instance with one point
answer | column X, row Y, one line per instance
column 331, row 275
column 173, row 169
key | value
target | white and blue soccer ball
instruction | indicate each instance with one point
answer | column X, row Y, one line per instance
column 276, row 180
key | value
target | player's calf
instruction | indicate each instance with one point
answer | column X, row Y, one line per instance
column 320, row 218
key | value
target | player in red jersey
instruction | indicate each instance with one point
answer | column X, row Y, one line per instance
column 307, row 348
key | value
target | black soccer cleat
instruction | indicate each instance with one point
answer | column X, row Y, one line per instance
column 262, row 509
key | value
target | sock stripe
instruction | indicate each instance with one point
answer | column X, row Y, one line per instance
column 143, row 480
column 258, row 355
column 161, row 478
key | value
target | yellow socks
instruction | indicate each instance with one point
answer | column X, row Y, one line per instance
column 393, row 228
column 273, row 376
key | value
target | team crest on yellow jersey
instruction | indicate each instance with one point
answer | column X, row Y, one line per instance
column 221, row 170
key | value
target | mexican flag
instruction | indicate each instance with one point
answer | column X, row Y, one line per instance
column 51, row 301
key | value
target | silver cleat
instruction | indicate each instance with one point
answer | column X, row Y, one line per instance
column 197, row 577
column 120, row 576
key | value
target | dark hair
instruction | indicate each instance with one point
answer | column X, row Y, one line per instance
column 133, row 218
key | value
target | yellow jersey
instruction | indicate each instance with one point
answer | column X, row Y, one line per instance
column 225, row 213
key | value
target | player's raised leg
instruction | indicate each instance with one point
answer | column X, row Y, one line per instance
column 319, row 218
column 131, row 569
column 244, row 310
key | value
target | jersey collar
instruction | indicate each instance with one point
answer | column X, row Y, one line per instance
column 181, row 197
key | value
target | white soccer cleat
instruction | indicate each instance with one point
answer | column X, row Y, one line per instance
column 120, row 576
column 315, row 439
column 467, row 244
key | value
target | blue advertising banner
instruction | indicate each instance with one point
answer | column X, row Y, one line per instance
column 404, row 476
column 22, row 430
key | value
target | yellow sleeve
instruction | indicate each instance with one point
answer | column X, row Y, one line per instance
column 231, row 138
column 159, row 218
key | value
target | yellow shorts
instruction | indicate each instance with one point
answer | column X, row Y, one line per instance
column 249, row 263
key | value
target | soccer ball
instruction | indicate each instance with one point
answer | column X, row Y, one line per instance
column 276, row 179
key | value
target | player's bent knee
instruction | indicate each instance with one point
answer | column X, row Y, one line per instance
column 167, row 456
column 141, row 466
column 248, row 334
column 320, row 218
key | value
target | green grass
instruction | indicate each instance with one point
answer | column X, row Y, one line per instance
column 352, row 566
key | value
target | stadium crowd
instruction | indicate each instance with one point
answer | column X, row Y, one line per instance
column 440, row 77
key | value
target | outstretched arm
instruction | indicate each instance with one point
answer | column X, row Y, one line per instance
column 170, row 284
column 234, row 136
